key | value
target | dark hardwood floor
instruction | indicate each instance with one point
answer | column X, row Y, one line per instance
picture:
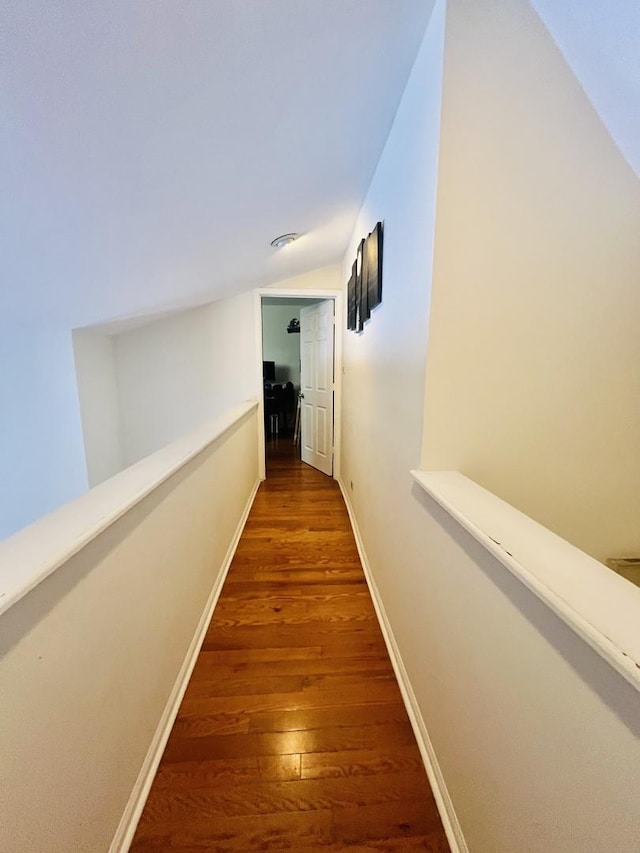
column 292, row 734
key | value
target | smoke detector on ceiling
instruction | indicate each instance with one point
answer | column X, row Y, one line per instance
column 284, row 240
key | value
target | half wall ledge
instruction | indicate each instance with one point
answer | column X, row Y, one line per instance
column 600, row 606
column 36, row 551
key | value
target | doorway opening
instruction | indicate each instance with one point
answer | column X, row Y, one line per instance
column 298, row 366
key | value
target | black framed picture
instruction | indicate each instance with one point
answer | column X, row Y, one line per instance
column 364, row 288
column 361, row 287
column 352, row 305
column 373, row 265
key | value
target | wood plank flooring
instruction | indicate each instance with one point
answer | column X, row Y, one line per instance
column 292, row 734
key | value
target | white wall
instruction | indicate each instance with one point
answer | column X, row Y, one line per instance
column 43, row 459
column 600, row 42
column 95, row 361
column 90, row 656
column 166, row 382
column 533, row 370
column 233, row 349
column 536, row 737
column 176, row 373
column 280, row 346
column 61, row 428
column 383, row 372
column 323, row 278
column 41, row 453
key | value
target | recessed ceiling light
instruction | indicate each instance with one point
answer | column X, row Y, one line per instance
column 284, row 240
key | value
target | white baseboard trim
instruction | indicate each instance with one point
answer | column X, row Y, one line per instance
column 129, row 821
column 444, row 803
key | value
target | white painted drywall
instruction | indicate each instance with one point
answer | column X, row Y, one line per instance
column 166, row 382
column 41, row 456
column 600, row 42
column 533, row 370
column 323, row 278
column 91, row 655
column 95, row 361
column 280, row 346
column 383, row 370
column 178, row 372
column 536, row 736
column 110, row 169
column 233, row 349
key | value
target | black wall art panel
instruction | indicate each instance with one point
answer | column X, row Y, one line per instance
column 364, row 288
column 352, row 307
column 373, row 264
column 361, row 286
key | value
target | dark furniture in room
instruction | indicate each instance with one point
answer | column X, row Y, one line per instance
column 279, row 407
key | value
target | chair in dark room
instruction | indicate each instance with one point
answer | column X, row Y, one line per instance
column 272, row 408
column 288, row 406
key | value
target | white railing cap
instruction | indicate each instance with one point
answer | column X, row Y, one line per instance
column 599, row 605
column 36, row 551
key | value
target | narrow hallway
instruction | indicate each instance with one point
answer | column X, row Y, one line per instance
column 292, row 734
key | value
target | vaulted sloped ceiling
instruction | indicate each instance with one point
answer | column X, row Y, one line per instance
column 600, row 40
column 153, row 149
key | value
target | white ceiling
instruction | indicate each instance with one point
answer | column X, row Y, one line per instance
column 153, row 149
column 601, row 41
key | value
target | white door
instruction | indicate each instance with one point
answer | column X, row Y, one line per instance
column 316, row 385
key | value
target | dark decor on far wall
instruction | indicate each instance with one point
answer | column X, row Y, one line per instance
column 364, row 289
column 352, row 307
column 269, row 371
column 373, row 265
column 361, row 287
